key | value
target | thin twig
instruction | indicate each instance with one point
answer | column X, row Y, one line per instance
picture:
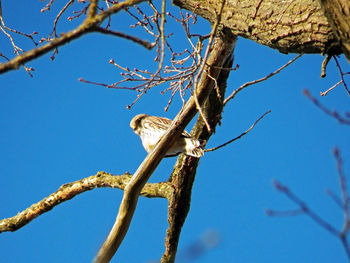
column 343, row 190
column 324, row 93
column 86, row 27
column 304, row 207
column 333, row 113
column 234, row 93
column 335, row 198
column 341, row 75
column 137, row 40
column 306, row 210
column 58, row 17
column 17, row 50
column 240, row 136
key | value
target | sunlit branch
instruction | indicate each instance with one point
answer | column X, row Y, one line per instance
column 47, row 7
column 221, row 49
column 324, row 93
column 71, row 190
column 206, row 54
column 183, row 175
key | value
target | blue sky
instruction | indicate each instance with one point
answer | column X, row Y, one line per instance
column 56, row 130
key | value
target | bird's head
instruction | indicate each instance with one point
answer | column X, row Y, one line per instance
column 136, row 121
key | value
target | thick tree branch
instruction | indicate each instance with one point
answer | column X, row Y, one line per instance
column 70, row 190
column 289, row 26
column 90, row 23
column 185, row 168
column 222, row 48
column 338, row 14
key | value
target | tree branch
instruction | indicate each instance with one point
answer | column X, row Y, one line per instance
column 239, row 136
column 222, row 48
column 289, row 26
column 337, row 12
column 93, row 20
column 235, row 92
column 70, row 190
column 332, row 113
column 137, row 40
column 184, row 171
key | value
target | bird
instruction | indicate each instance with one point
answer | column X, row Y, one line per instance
column 152, row 128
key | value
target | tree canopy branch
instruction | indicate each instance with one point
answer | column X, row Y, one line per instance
column 90, row 23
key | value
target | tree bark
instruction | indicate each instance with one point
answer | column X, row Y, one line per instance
column 338, row 14
column 183, row 175
column 288, row 26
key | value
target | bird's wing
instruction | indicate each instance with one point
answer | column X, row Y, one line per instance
column 157, row 123
column 161, row 124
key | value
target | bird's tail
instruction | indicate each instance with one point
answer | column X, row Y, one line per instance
column 194, row 147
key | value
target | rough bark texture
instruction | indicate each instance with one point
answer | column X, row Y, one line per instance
column 185, row 168
column 338, row 14
column 71, row 190
column 289, row 26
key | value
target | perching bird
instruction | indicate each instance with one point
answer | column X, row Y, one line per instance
column 151, row 128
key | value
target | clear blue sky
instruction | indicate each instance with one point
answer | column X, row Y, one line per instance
column 56, row 130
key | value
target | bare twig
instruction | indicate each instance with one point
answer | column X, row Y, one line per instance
column 306, row 210
column 240, row 136
column 343, row 190
column 183, row 66
column 303, row 207
column 17, row 50
column 58, row 17
column 234, row 93
column 137, row 40
column 86, row 27
column 48, row 6
column 341, row 75
column 70, row 190
column 332, row 113
column 324, row 93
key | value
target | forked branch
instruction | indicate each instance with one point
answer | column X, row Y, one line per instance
column 222, row 48
column 305, row 209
